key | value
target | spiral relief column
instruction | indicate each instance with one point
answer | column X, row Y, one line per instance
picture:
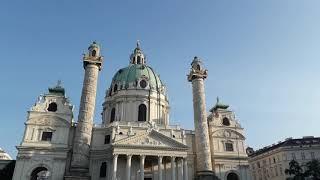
column 92, row 63
column 204, row 165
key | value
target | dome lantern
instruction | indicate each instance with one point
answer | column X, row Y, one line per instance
column 137, row 56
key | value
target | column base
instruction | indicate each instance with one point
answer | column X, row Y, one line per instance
column 77, row 174
column 206, row 175
column 70, row 177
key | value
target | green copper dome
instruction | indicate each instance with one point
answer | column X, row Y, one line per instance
column 135, row 73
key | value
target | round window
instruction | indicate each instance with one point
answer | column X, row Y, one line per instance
column 143, row 84
column 52, row 107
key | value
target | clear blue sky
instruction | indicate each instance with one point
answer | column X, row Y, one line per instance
column 262, row 56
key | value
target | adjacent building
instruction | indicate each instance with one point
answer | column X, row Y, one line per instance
column 269, row 163
column 4, row 158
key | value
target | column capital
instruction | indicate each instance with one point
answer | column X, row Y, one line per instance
column 115, row 155
column 197, row 70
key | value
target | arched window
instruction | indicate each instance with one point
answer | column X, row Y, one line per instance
column 113, row 114
column 94, row 52
column 115, row 88
column 134, row 60
column 225, row 121
column 139, row 60
column 103, row 170
column 52, row 107
column 40, row 173
column 198, row 67
column 142, row 114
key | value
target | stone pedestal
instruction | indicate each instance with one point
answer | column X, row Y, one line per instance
column 77, row 178
column 206, row 175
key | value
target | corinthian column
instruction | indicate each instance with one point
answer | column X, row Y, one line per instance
column 81, row 146
column 204, row 165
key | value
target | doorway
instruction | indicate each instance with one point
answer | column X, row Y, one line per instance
column 232, row 176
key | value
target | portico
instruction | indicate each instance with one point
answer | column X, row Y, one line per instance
column 150, row 155
column 151, row 167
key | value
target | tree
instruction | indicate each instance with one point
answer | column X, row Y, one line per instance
column 7, row 172
column 313, row 169
column 296, row 170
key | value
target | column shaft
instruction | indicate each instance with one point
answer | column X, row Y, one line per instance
column 128, row 167
column 201, row 126
column 82, row 140
column 159, row 167
column 115, row 164
column 185, row 169
column 173, row 169
column 142, row 158
column 180, row 169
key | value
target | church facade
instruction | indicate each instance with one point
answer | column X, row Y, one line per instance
column 135, row 140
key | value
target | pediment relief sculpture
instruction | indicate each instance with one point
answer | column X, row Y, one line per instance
column 152, row 138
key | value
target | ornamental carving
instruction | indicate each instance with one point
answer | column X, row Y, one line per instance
column 48, row 121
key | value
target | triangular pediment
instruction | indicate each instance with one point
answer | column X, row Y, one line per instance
column 151, row 139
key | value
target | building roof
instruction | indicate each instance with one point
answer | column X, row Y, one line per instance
column 57, row 90
column 134, row 72
column 219, row 105
column 307, row 140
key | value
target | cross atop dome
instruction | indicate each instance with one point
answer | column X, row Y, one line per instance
column 137, row 56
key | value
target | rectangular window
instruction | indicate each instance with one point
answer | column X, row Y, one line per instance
column 303, row 156
column 103, row 170
column 293, row 156
column 312, row 155
column 284, row 157
column 46, row 136
column 107, row 139
column 229, row 147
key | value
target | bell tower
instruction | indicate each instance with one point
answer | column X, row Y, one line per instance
column 92, row 62
column 196, row 77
